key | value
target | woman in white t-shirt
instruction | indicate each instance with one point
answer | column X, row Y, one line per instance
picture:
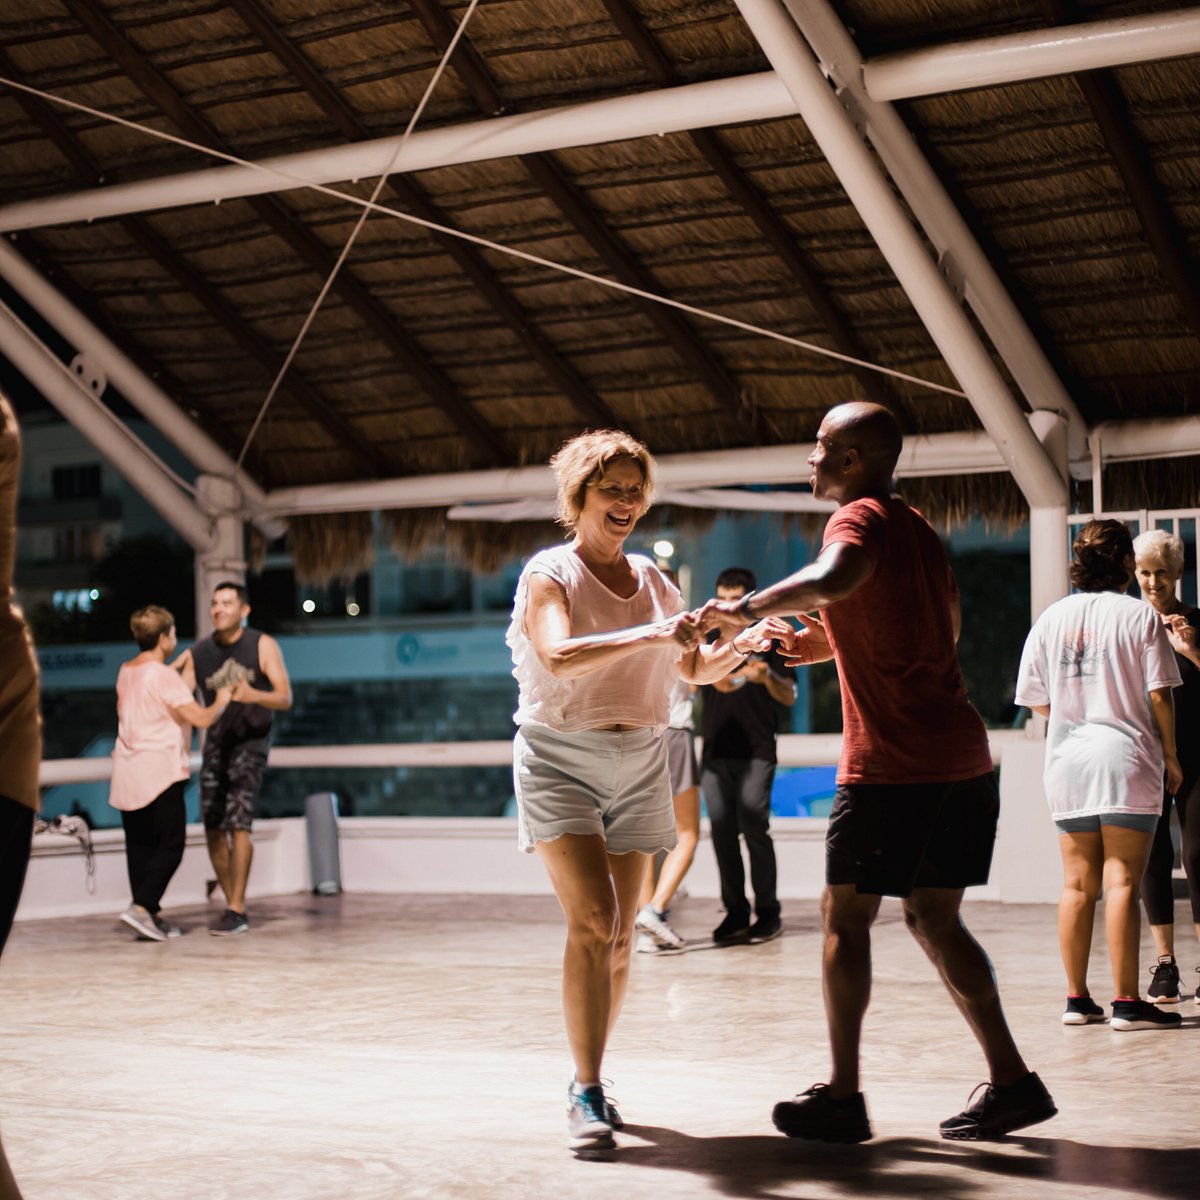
column 598, row 639
column 155, row 714
column 1099, row 666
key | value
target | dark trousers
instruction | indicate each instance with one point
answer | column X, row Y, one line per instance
column 1158, row 889
column 16, row 838
column 737, row 793
column 154, row 839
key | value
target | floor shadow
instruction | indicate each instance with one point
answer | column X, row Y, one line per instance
column 758, row 1167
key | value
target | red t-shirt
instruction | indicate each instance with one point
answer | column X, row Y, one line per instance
column 905, row 713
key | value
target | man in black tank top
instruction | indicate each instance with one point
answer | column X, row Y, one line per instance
column 236, row 746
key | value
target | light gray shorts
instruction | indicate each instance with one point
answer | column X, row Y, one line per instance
column 681, row 759
column 593, row 781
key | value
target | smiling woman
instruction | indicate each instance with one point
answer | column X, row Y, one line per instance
column 598, row 640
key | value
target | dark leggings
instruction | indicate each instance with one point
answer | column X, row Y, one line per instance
column 154, row 840
column 16, row 838
column 1157, row 888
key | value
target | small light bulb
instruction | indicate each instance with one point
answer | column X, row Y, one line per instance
column 309, row 606
column 664, row 549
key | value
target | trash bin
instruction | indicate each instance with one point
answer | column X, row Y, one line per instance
column 324, row 855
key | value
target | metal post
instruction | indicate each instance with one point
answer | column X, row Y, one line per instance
column 225, row 558
column 1049, row 554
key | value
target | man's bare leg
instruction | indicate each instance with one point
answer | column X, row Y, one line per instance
column 932, row 915
column 846, row 977
column 242, row 854
column 219, row 856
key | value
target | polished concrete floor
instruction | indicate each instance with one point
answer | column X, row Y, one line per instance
column 370, row 1048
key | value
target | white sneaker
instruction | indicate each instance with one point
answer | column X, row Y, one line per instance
column 136, row 917
column 656, row 926
column 646, row 944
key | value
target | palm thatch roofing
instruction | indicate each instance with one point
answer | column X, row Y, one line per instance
column 432, row 355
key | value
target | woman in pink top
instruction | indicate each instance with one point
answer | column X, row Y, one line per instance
column 155, row 714
column 598, row 639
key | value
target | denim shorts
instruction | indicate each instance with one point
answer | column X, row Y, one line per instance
column 593, row 781
column 1142, row 822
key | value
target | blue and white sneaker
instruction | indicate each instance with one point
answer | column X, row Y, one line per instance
column 589, row 1125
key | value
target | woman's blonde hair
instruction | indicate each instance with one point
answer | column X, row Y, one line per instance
column 586, row 458
column 1158, row 543
column 149, row 624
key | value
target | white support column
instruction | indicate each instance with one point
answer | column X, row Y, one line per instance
column 1049, row 554
column 885, row 218
column 957, row 247
column 83, row 408
column 145, row 395
column 225, row 557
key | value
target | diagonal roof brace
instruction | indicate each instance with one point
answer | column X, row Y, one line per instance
column 886, row 220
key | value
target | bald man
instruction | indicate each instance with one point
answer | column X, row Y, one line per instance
column 916, row 806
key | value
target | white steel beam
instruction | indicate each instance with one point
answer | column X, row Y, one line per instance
column 888, row 223
column 1011, row 57
column 747, row 98
column 117, row 443
column 760, row 97
column 959, row 252
column 146, row 396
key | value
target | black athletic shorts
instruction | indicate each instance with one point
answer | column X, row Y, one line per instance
column 231, row 776
column 889, row 838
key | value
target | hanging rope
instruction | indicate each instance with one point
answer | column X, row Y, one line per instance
column 487, row 244
column 362, row 220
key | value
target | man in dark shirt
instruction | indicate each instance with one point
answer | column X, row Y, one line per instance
column 739, row 723
column 236, row 746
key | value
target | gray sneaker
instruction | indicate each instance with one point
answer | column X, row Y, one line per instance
column 165, row 927
column 651, row 921
column 229, row 923
column 139, row 918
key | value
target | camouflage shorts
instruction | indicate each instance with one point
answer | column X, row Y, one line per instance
column 231, row 775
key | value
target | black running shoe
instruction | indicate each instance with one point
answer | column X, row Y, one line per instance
column 732, row 929
column 1137, row 1014
column 1082, row 1010
column 816, row 1116
column 229, row 924
column 1000, row 1110
column 765, row 929
column 1164, row 981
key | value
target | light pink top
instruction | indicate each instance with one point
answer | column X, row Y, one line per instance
column 152, row 747
column 634, row 690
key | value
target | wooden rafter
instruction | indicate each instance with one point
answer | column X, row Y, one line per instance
column 1111, row 113
column 310, row 250
column 547, row 175
column 472, row 264
column 766, row 220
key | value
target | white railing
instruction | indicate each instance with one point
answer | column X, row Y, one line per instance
column 794, row 749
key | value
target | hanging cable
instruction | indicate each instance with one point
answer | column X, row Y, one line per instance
column 362, row 220
column 487, row 244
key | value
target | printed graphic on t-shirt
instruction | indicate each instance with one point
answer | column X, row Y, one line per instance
column 1082, row 655
column 229, row 674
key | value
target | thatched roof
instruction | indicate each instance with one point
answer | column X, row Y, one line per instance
column 433, row 356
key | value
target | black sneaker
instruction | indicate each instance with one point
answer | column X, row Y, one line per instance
column 1137, row 1014
column 229, row 923
column 816, row 1116
column 589, row 1126
column 1082, row 1010
column 1000, row 1110
column 732, row 929
column 765, row 929
column 1164, row 981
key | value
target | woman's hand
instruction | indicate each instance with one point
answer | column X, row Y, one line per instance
column 1181, row 633
column 760, row 635
column 684, row 630
column 1174, row 773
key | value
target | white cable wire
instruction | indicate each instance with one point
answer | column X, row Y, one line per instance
column 511, row 252
column 362, row 220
